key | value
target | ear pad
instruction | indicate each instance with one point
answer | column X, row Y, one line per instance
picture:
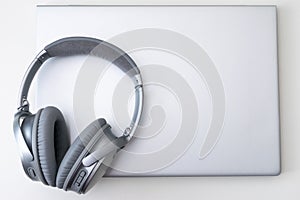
column 52, row 142
column 72, row 158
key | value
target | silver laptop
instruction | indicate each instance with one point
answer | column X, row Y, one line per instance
column 211, row 85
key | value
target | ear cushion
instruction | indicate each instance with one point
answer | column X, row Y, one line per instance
column 78, row 146
column 52, row 142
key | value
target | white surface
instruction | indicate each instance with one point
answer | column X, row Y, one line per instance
column 18, row 34
column 241, row 41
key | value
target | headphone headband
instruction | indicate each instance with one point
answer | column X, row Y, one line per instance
column 84, row 46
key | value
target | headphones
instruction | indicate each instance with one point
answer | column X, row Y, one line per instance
column 43, row 139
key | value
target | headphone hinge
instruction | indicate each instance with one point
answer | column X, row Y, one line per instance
column 24, row 106
column 42, row 56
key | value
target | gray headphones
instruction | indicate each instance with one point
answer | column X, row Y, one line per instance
column 43, row 140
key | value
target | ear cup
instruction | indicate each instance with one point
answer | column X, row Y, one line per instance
column 73, row 157
column 52, row 142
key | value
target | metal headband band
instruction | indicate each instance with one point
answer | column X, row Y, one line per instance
column 84, row 46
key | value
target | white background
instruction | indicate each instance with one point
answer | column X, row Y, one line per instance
column 18, row 36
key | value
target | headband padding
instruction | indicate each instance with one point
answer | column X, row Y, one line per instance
column 76, row 149
column 72, row 46
column 83, row 45
column 52, row 142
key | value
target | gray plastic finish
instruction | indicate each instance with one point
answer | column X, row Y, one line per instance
column 97, row 168
column 27, row 157
column 72, row 167
column 26, row 128
column 82, row 143
column 108, row 145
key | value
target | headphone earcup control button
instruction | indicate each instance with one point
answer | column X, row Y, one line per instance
column 80, row 178
column 31, row 172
